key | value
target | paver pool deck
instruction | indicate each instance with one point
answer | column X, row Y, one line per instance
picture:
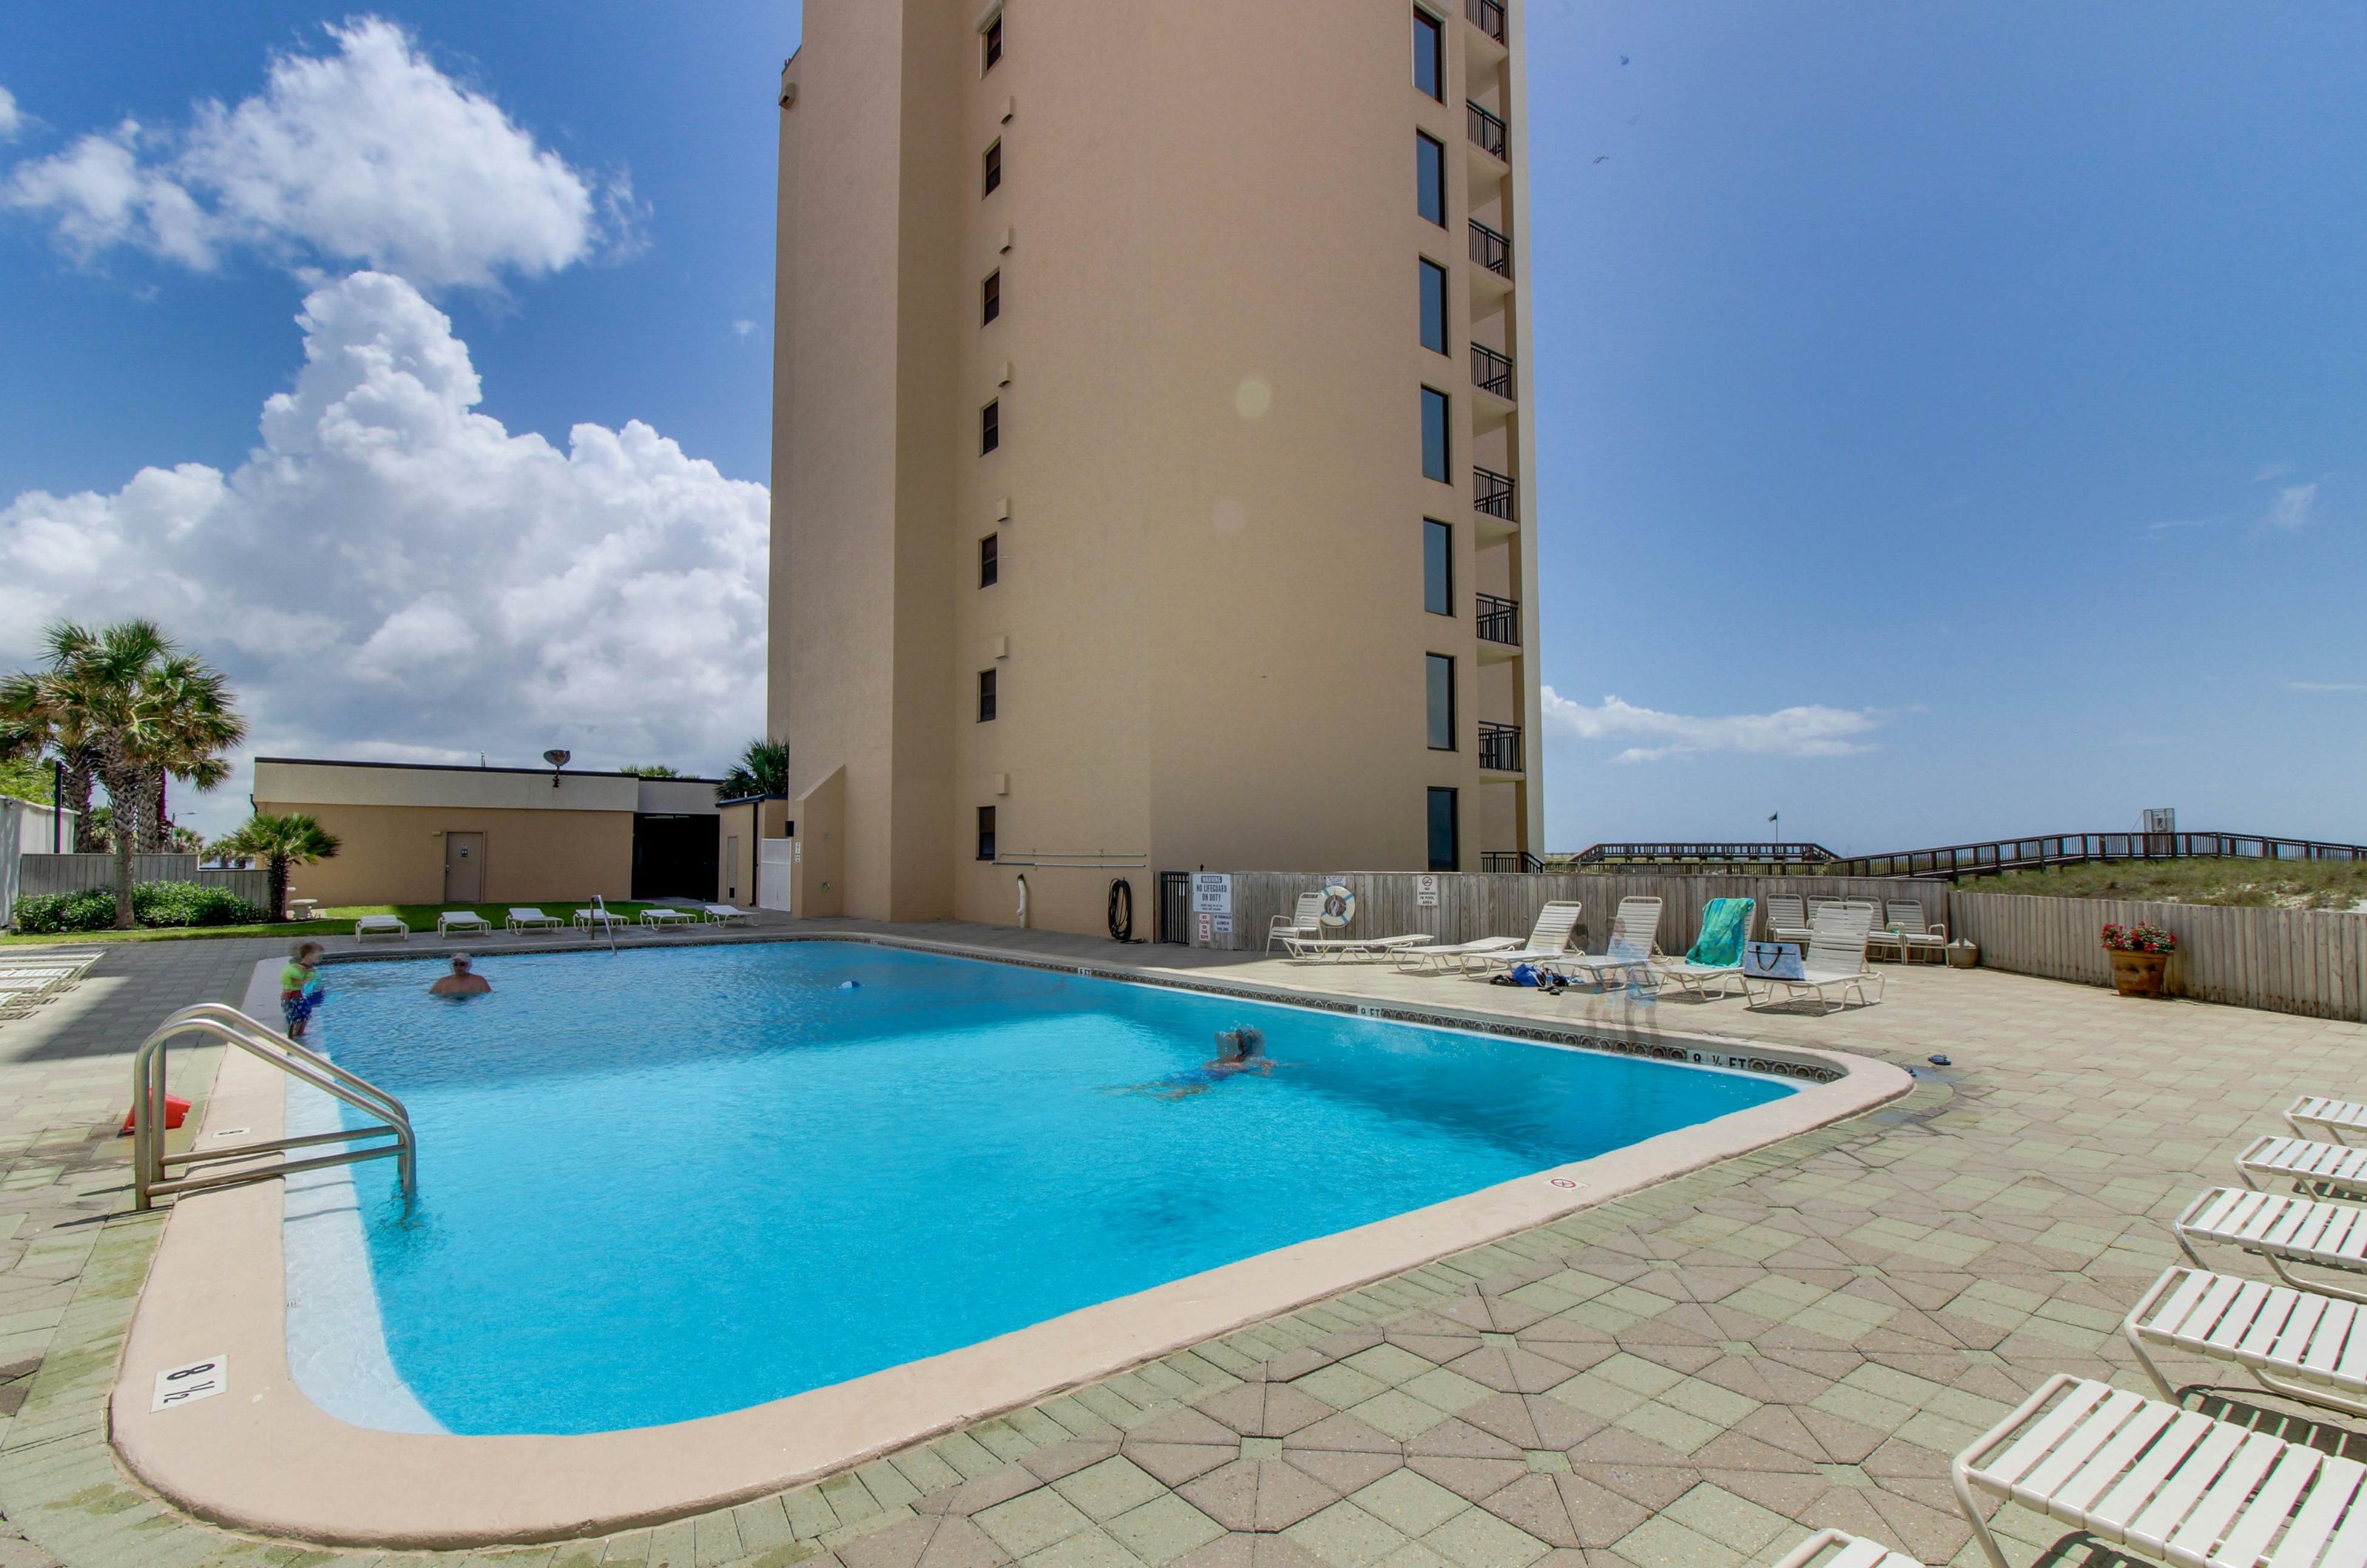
column 1696, row 1374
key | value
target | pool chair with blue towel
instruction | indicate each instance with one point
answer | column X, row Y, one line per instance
column 1715, row 957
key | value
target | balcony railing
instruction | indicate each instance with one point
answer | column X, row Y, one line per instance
column 1492, row 371
column 1499, row 747
column 1490, row 249
column 1487, row 15
column 1487, row 131
column 1491, row 492
column 1512, row 861
column 1499, row 619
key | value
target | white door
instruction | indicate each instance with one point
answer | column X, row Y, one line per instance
column 772, row 874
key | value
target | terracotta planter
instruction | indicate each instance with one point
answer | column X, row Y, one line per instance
column 2138, row 973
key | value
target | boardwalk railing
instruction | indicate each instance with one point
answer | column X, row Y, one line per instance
column 2077, row 849
column 2311, row 962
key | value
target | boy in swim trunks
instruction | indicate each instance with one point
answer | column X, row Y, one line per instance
column 299, row 988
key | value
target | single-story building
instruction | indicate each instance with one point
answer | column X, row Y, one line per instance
column 413, row 834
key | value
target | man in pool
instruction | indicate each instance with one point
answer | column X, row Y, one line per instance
column 464, row 980
column 1238, row 1050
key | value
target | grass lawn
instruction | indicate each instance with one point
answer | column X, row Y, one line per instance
column 2304, row 885
column 421, row 918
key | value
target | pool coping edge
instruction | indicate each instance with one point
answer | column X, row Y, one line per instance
column 263, row 1458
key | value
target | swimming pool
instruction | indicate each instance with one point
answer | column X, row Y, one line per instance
column 657, row 1186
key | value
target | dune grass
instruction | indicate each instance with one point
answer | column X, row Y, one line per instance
column 2304, row 885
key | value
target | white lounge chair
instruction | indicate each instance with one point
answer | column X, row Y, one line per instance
column 1695, row 979
column 46, row 979
column 2283, row 1230
column 1786, row 919
column 2317, row 1170
column 1635, row 933
column 593, row 920
column 661, row 918
column 2164, row 1482
column 526, row 918
column 1556, row 923
column 1336, row 948
column 1305, row 920
column 452, row 920
column 1846, row 1551
column 1835, row 962
column 2296, row 1343
column 1904, row 930
column 724, row 914
column 1549, row 943
column 2336, row 1119
column 381, row 925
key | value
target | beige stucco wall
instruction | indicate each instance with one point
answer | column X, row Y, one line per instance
column 394, row 855
column 1209, row 636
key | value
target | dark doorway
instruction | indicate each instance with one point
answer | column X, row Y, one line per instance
column 674, row 857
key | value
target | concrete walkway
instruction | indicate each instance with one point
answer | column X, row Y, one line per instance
column 1697, row 1375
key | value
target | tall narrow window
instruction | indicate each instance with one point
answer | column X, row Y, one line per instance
column 1438, row 696
column 985, row 832
column 990, row 297
column 1433, row 436
column 990, row 47
column 1445, row 838
column 989, row 560
column 1429, row 55
column 990, row 428
column 1433, row 306
column 1429, row 176
column 986, row 697
column 1437, row 567
column 994, row 170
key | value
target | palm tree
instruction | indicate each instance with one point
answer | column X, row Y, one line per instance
column 145, row 710
column 36, row 723
column 281, row 843
column 763, row 769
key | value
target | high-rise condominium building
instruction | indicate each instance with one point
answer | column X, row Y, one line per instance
column 1151, row 436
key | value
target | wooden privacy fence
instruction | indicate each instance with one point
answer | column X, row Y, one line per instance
column 1472, row 905
column 2312, row 962
column 72, row 874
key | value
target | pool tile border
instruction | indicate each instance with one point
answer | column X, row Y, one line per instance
column 263, row 1458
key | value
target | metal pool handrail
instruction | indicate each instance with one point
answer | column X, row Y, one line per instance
column 152, row 1174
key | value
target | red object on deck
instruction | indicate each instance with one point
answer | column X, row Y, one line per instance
column 176, row 1111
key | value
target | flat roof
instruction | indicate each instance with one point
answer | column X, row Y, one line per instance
column 465, row 768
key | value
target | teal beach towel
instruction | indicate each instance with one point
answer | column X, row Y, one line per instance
column 1726, row 923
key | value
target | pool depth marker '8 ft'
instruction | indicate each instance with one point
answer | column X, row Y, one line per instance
column 150, row 1165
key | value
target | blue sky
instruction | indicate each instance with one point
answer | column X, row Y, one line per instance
column 1947, row 414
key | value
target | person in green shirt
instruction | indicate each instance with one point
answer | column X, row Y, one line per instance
column 299, row 988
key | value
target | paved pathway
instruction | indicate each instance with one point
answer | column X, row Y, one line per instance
column 1695, row 1375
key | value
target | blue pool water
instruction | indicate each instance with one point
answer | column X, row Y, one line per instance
column 656, row 1186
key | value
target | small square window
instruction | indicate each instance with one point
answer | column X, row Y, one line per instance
column 989, row 427
column 989, row 560
column 1434, row 454
column 991, row 46
column 986, row 697
column 994, row 170
column 985, row 832
column 1429, row 177
column 990, row 297
column 1429, row 55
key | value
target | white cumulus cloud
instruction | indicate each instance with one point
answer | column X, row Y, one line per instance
column 392, row 575
column 1787, row 732
column 2292, row 508
column 367, row 154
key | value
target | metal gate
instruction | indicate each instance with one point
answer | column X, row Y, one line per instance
column 1175, row 907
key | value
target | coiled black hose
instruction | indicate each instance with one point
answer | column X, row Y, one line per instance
column 1121, row 910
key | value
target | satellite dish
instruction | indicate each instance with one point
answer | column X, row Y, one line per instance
column 558, row 758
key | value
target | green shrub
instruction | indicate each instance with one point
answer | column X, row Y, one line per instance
column 156, row 904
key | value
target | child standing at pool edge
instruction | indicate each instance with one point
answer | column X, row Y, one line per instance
column 299, row 988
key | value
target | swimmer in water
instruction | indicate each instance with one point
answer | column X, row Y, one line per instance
column 464, row 980
column 1238, row 1050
